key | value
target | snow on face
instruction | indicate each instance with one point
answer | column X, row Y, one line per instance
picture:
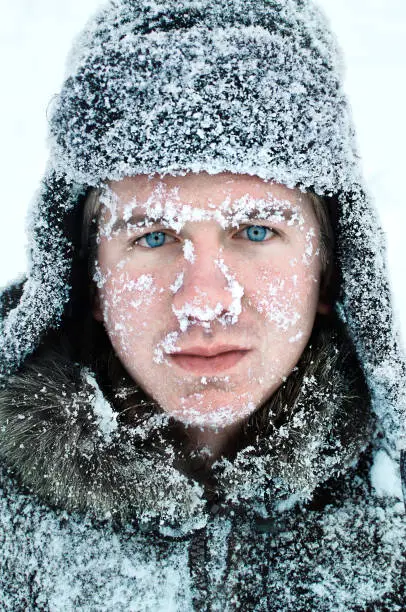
column 208, row 287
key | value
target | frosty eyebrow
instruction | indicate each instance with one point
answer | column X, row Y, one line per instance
column 284, row 214
column 232, row 217
column 138, row 220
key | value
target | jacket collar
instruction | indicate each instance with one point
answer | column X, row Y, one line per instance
column 63, row 439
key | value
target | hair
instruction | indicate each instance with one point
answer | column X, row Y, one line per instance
column 323, row 213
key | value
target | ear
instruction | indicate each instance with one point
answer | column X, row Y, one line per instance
column 323, row 308
column 97, row 310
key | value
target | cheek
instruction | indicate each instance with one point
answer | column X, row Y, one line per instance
column 129, row 303
column 286, row 296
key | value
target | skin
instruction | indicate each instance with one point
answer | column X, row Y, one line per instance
column 208, row 286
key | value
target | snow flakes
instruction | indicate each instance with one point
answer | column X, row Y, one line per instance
column 164, row 206
column 272, row 130
column 195, row 410
column 385, row 476
column 280, row 305
column 296, row 337
column 237, row 293
column 197, row 313
column 122, row 294
column 189, row 251
column 177, row 284
column 166, row 347
column 310, row 251
column 230, row 95
column 143, row 285
column 100, row 278
column 102, row 410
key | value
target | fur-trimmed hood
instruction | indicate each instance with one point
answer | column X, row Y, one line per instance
column 148, row 90
column 66, row 442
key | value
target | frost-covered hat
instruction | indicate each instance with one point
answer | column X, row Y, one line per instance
column 241, row 85
column 245, row 86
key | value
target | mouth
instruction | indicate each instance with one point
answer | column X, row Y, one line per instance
column 203, row 361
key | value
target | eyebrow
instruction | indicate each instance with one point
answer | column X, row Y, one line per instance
column 258, row 213
column 233, row 216
column 138, row 220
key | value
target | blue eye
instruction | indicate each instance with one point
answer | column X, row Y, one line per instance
column 153, row 239
column 256, row 233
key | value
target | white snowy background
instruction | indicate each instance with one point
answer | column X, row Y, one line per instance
column 35, row 37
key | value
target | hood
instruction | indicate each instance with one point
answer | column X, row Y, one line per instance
column 66, row 442
column 250, row 87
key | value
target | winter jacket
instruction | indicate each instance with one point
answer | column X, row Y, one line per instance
column 99, row 514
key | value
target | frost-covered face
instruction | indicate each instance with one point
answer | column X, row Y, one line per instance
column 208, row 288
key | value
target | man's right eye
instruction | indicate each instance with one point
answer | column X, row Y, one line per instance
column 153, row 240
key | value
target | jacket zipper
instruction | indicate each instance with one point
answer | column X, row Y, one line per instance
column 198, row 571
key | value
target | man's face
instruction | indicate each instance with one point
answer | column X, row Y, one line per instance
column 208, row 288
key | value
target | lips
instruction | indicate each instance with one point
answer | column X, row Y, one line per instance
column 203, row 360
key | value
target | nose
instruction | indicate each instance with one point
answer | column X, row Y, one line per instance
column 209, row 291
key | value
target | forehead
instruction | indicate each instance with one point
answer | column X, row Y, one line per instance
column 202, row 191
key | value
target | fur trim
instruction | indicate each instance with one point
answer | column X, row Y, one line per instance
column 65, row 442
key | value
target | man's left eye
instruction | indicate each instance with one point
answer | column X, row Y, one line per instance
column 257, row 233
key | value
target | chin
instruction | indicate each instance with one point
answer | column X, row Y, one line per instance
column 214, row 410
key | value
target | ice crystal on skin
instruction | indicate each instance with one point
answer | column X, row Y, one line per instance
column 164, row 204
column 278, row 305
column 193, row 313
column 296, row 338
column 197, row 313
column 143, row 284
column 310, row 251
column 194, row 411
column 189, row 251
column 98, row 277
column 167, row 346
column 270, row 208
column 173, row 212
column 237, row 292
column 110, row 201
column 177, row 284
column 123, row 295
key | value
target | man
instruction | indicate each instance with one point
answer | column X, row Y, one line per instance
column 202, row 397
